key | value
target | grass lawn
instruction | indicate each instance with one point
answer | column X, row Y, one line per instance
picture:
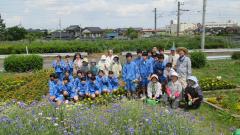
column 228, row 69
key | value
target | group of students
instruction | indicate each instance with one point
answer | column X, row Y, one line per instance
column 153, row 74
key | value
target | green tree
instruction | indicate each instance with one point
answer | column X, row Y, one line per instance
column 131, row 33
column 2, row 29
column 16, row 33
column 30, row 37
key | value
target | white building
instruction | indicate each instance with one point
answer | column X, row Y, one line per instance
column 184, row 27
column 229, row 23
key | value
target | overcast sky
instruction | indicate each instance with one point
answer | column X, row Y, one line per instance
column 112, row 13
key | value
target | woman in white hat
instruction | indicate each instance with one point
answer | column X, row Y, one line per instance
column 154, row 88
column 174, row 90
column 103, row 64
column 116, row 66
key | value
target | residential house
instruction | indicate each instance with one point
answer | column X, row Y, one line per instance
column 75, row 30
column 92, row 32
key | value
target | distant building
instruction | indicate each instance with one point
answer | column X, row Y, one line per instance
column 221, row 24
column 92, row 32
column 112, row 35
column 75, row 30
column 183, row 27
column 61, row 35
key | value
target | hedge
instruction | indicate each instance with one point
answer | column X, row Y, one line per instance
column 23, row 63
column 236, row 56
column 96, row 46
column 198, row 59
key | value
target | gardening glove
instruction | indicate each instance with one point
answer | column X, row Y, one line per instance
column 190, row 103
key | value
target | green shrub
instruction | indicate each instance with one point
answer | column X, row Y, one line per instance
column 198, row 59
column 236, row 56
column 23, row 63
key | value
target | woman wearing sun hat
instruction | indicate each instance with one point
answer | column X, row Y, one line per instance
column 154, row 88
column 184, row 66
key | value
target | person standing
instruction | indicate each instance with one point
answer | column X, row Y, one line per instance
column 173, row 57
column 184, row 67
column 59, row 66
column 77, row 63
column 110, row 56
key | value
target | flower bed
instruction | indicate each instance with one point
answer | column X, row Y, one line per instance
column 123, row 117
column 230, row 102
column 26, row 88
column 209, row 84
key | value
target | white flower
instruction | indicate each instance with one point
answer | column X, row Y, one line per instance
column 55, row 124
column 40, row 114
column 48, row 118
column 219, row 77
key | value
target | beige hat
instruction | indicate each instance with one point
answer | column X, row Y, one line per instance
column 85, row 60
column 154, row 76
column 185, row 50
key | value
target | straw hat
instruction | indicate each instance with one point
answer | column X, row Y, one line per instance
column 85, row 60
column 185, row 50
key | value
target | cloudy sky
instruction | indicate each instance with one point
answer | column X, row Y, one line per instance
column 111, row 13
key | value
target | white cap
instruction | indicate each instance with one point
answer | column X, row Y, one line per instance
column 174, row 74
column 103, row 57
column 154, row 76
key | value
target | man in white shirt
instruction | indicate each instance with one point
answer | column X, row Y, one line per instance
column 173, row 57
column 110, row 56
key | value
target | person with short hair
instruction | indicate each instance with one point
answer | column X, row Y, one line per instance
column 130, row 75
column 93, row 88
column 168, row 71
column 102, row 80
column 139, row 57
column 59, row 66
column 82, row 88
column 69, row 92
column 67, row 74
column 146, row 70
column 68, row 65
column 55, row 90
column 116, row 66
column 113, row 82
column 93, row 67
column 159, row 68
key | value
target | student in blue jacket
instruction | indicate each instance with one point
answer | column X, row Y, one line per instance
column 67, row 74
column 130, row 74
column 159, row 68
column 139, row 57
column 82, row 88
column 55, row 90
column 93, row 88
column 146, row 71
column 69, row 92
column 51, row 80
column 150, row 58
column 59, row 66
column 102, row 80
column 68, row 65
column 113, row 82
column 78, row 78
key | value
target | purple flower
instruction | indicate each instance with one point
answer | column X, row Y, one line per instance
column 131, row 130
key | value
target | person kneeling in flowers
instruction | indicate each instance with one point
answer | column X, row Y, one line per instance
column 55, row 90
column 113, row 81
column 93, row 88
column 103, row 82
column 82, row 87
column 69, row 91
column 193, row 93
column 154, row 88
column 174, row 90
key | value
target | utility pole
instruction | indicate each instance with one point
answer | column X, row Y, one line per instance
column 203, row 25
column 178, row 18
column 155, row 20
column 60, row 27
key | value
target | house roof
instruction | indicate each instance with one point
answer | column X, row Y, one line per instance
column 94, row 29
column 73, row 27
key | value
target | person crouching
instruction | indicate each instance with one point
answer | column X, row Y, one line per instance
column 154, row 88
column 193, row 93
column 174, row 90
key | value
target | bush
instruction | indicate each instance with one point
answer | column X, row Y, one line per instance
column 236, row 56
column 23, row 63
column 198, row 59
